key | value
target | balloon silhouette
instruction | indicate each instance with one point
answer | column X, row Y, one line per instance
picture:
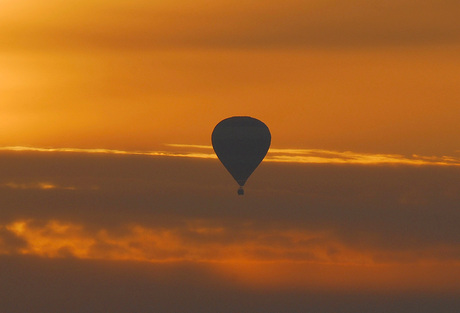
column 241, row 143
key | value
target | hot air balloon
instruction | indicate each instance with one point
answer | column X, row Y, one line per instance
column 241, row 143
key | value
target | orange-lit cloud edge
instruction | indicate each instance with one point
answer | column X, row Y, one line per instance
column 304, row 156
column 312, row 259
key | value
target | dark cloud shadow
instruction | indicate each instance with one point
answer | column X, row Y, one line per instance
column 35, row 285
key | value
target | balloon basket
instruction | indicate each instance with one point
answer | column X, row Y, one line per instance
column 241, row 191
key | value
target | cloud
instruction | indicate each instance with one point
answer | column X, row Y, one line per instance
column 167, row 233
column 40, row 185
column 10, row 243
column 322, row 156
column 195, row 241
column 381, row 213
column 309, row 156
column 70, row 285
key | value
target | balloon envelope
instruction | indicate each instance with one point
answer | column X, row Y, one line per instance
column 241, row 143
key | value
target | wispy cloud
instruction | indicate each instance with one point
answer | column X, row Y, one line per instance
column 197, row 241
column 308, row 156
column 322, row 156
column 109, row 151
column 202, row 241
column 39, row 185
column 255, row 263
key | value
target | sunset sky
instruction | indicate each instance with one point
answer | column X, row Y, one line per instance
column 112, row 200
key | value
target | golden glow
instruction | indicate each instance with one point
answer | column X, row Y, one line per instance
column 137, row 242
column 308, row 156
column 395, row 277
column 158, row 245
column 110, row 151
column 39, row 185
column 342, row 157
column 263, row 260
column 18, row 227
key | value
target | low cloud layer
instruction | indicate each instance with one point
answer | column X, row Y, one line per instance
column 69, row 285
column 307, row 156
column 164, row 233
column 388, row 212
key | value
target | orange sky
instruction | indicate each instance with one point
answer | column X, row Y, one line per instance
column 87, row 75
column 268, row 260
column 107, row 109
